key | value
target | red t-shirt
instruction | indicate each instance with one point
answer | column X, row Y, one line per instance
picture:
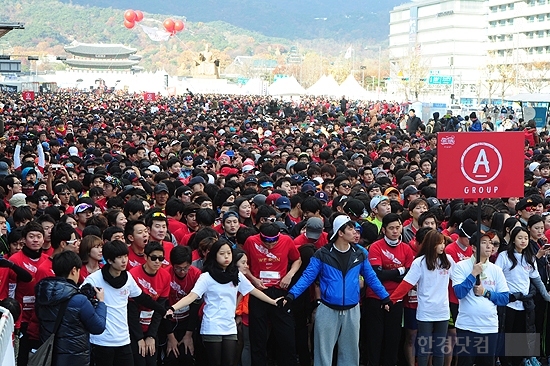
column 4, row 282
column 156, row 286
column 45, row 270
column 48, row 251
column 24, row 292
column 302, row 239
column 134, row 260
column 270, row 265
column 168, row 246
column 179, row 288
column 295, row 220
column 85, row 273
column 456, row 252
column 174, row 225
column 383, row 255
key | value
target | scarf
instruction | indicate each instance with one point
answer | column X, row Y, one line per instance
column 223, row 277
column 116, row 282
column 392, row 243
column 31, row 253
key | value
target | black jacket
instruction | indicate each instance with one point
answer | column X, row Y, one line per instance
column 72, row 345
column 413, row 124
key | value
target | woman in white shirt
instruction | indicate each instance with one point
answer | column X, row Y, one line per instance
column 218, row 285
column 430, row 271
column 519, row 267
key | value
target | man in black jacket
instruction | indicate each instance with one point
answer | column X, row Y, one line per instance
column 413, row 123
column 72, row 346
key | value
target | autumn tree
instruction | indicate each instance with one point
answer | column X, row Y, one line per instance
column 537, row 76
column 412, row 70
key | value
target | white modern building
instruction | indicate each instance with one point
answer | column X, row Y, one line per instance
column 448, row 41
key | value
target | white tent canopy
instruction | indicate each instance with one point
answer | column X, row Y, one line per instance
column 351, row 88
column 286, row 86
column 326, row 85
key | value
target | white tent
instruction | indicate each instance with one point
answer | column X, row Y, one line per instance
column 326, row 85
column 286, row 86
column 351, row 89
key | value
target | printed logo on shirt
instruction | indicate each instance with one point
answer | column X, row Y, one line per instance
column 146, row 285
column 176, row 287
column 443, row 272
column 260, row 248
column 30, row 267
column 487, row 283
column 124, row 292
column 528, row 268
column 461, row 256
column 133, row 263
column 391, row 257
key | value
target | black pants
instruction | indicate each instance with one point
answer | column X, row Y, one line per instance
column 112, row 356
column 221, row 353
column 475, row 348
column 383, row 332
column 261, row 315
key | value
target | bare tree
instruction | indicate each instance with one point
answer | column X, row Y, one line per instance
column 489, row 80
column 412, row 70
column 537, row 76
column 506, row 77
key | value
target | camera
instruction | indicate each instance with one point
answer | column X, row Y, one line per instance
column 89, row 291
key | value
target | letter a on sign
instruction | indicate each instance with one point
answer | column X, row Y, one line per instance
column 481, row 160
column 480, row 164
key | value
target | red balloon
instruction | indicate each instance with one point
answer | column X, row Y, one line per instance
column 169, row 25
column 139, row 15
column 128, row 24
column 178, row 25
column 130, row 15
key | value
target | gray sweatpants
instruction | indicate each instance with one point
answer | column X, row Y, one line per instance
column 340, row 326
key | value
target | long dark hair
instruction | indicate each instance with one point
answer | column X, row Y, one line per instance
column 432, row 239
column 527, row 253
column 212, row 266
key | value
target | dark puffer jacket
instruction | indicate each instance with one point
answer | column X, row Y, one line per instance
column 80, row 319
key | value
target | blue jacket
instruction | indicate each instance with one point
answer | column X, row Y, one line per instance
column 339, row 291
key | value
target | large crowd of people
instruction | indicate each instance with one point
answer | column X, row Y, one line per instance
column 146, row 226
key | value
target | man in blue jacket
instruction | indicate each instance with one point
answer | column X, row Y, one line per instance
column 72, row 346
column 338, row 266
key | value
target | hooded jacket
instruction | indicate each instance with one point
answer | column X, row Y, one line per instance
column 72, row 345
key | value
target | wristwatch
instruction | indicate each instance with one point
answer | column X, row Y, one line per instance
column 487, row 295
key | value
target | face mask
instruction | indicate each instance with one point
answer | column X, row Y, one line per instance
column 91, row 170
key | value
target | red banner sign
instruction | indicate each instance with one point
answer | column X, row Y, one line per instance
column 149, row 97
column 480, row 164
column 28, row 95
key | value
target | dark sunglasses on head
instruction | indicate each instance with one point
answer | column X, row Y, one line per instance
column 155, row 258
column 269, row 239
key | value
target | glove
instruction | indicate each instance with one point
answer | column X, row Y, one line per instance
column 515, row 296
column 289, row 298
column 387, row 301
column 4, row 263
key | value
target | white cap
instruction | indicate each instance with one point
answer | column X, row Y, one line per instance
column 547, row 193
column 153, row 168
column 375, row 201
column 534, row 166
column 73, row 151
column 338, row 223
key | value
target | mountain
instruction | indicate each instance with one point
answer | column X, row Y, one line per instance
column 344, row 20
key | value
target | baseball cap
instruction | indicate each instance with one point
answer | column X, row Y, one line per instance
column 83, row 207
column 18, row 200
column 322, row 196
column 272, row 198
column 542, row 182
column 161, row 187
column 297, row 177
column 410, row 190
column 354, row 207
column 391, row 189
column 433, row 202
column 251, row 180
column 338, row 223
column 266, row 184
column 314, row 228
column 308, row 188
column 196, row 180
column 525, row 202
column 227, row 170
column 533, row 166
column 282, row 203
column 467, row 228
column 4, row 169
column 375, row 201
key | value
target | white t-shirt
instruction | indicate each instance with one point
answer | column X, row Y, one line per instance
column 518, row 279
column 220, row 303
column 116, row 332
column 477, row 313
column 432, row 294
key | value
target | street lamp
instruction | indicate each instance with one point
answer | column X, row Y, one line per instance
column 362, row 75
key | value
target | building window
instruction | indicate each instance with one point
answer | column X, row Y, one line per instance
column 510, row 37
column 539, row 50
column 493, row 9
column 511, row 6
column 541, row 2
column 502, row 22
column 530, row 19
column 540, row 34
column 501, row 53
column 530, row 2
column 502, row 8
column 541, row 17
column 510, row 21
column 529, row 51
column 509, row 53
column 492, row 24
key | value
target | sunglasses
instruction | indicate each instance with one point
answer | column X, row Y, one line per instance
column 270, row 219
column 345, row 185
column 188, row 158
column 530, row 208
column 72, row 242
column 44, row 199
column 269, row 239
column 155, row 258
column 64, row 193
column 188, row 193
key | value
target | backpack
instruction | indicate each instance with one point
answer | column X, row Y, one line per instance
column 437, row 127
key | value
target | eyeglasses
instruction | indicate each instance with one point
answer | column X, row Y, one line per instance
column 17, row 183
column 64, row 193
column 181, row 270
column 270, row 219
column 158, row 214
column 155, row 258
